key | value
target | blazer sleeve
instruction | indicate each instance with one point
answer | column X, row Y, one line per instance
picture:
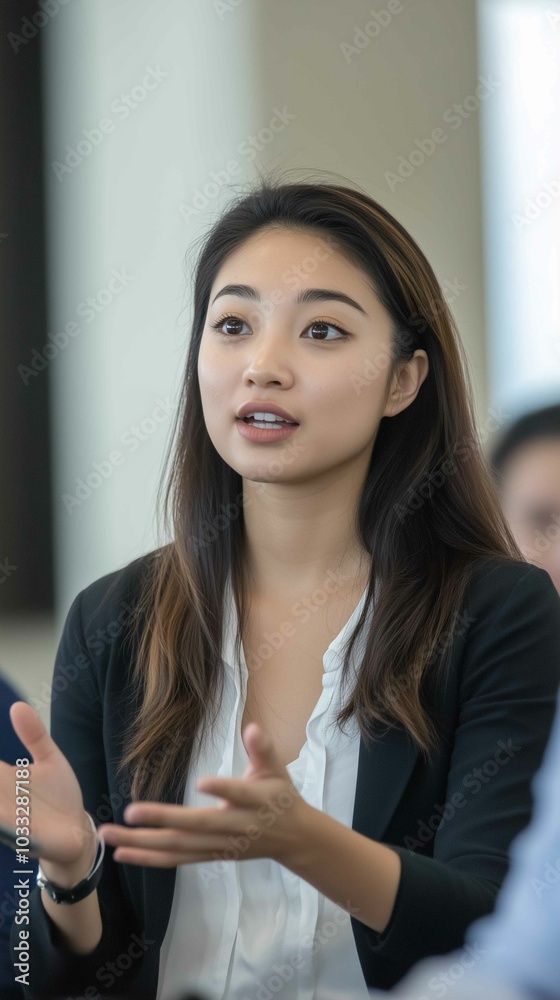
column 77, row 729
column 510, row 674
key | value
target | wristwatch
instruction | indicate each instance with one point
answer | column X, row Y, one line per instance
column 59, row 893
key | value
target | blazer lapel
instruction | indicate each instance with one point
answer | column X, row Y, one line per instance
column 384, row 769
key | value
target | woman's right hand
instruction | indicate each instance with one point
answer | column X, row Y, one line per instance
column 57, row 818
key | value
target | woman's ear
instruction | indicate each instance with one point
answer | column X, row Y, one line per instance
column 406, row 382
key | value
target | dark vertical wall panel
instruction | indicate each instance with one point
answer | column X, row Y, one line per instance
column 26, row 532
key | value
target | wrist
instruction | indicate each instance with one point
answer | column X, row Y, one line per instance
column 295, row 854
column 68, row 875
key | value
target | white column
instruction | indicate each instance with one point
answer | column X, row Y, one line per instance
column 145, row 101
column 519, row 43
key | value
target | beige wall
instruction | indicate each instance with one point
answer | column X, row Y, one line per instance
column 357, row 112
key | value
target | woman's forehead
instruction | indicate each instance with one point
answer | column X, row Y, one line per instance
column 295, row 260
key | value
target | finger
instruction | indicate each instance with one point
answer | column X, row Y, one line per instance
column 262, row 751
column 188, row 817
column 157, row 813
column 157, row 859
column 32, row 732
column 163, row 840
column 250, row 794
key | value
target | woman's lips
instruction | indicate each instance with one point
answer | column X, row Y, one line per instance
column 260, row 435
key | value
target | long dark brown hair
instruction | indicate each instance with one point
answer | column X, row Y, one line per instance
column 429, row 509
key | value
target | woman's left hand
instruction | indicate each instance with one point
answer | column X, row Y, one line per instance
column 262, row 816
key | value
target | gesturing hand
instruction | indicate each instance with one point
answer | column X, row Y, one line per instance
column 262, row 816
column 55, row 814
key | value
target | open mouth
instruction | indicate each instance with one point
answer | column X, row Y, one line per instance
column 269, row 424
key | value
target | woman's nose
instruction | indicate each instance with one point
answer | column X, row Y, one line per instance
column 269, row 363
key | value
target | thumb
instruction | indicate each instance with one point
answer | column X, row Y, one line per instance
column 32, row 731
column 261, row 750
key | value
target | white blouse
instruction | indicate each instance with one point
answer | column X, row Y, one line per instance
column 252, row 929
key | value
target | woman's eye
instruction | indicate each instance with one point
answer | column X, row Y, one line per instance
column 324, row 325
column 220, row 323
column 224, row 325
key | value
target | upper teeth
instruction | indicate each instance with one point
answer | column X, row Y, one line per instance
column 266, row 416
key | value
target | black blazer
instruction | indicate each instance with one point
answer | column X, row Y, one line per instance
column 451, row 819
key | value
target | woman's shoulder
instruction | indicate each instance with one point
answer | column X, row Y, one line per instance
column 106, row 603
column 495, row 579
column 511, row 629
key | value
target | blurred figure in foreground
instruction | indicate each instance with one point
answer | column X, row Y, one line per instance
column 511, row 954
column 526, row 464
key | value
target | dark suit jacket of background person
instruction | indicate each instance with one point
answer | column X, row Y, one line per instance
column 451, row 819
column 11, row 748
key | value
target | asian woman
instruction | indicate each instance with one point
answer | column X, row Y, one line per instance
column 291, row 746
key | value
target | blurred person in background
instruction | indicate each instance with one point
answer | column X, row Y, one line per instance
column 398, row 831
column 11, row 749
column 526, row 464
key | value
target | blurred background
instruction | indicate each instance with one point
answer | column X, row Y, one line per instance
column 126, row 128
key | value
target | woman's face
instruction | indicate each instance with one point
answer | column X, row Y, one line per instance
column 275, row 349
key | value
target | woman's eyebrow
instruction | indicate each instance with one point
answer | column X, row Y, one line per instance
column 307, row 295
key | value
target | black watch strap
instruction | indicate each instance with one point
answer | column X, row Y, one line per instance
column 75, row 893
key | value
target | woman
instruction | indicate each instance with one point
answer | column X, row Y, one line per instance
column 330, row 790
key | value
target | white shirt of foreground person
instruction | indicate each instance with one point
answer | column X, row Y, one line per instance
column 247, row 929
column 514, row 952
